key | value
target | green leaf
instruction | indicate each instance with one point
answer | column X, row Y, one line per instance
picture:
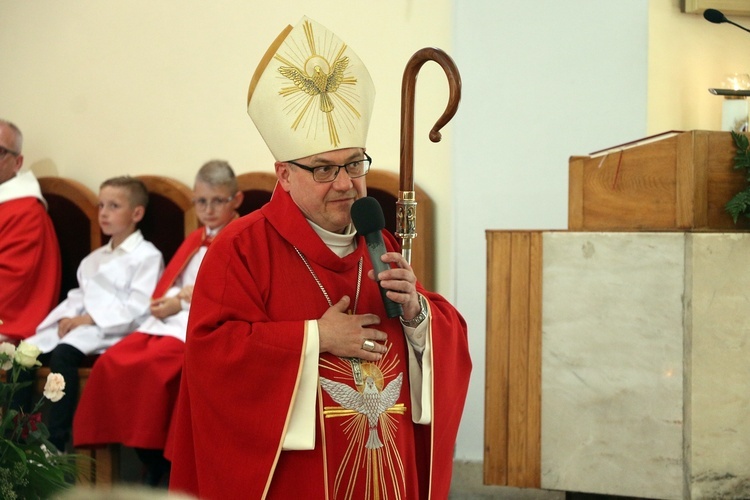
column 30, row 466
column 739, row 205
column 741, row 141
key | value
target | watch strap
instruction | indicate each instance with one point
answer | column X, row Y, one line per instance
column 421, row 316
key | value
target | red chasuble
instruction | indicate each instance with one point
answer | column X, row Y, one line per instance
column 30, row 268
column 243, row 360
column 180, row 259
column 131, row 392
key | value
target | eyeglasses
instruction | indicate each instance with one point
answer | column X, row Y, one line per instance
column 328, row 173
column 203, row 203
column 6, row 151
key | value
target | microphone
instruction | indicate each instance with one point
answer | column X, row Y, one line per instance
column 368, row 219
column 716, row 17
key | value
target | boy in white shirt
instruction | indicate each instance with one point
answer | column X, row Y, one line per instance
column 115, row 283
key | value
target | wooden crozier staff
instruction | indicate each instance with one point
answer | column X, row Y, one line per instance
column 406, row 206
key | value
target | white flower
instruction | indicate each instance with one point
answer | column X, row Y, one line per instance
column 26, row 354
column 7, row 353
column 53, row 389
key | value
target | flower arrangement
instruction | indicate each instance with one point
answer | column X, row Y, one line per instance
column 30, row 466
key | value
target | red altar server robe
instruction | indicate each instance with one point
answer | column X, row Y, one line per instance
column 243, row 362
column 132, row 389
column 30, row 268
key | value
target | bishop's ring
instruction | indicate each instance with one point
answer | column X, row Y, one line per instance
column 368, row 345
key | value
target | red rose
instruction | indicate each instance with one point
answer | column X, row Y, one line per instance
column 31, row 423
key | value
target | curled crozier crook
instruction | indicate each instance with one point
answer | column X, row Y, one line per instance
column 406, row 206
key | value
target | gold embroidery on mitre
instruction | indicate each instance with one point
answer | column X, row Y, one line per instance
column 314, row 77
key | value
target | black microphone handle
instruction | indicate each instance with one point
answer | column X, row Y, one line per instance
column 735, row 24
column 376, row 248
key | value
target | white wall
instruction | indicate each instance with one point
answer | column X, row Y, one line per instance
column 542, row 81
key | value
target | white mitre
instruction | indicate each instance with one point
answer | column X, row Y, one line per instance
column 310, row 94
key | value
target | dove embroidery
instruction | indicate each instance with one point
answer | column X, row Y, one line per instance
column 319, row 83
column 370, row 402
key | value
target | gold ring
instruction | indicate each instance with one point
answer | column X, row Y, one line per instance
column 368, row 345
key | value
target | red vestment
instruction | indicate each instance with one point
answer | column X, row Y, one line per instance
column 130, row 395
column 242, row 363
column 30, row 268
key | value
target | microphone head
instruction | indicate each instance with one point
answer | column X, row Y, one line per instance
column 714, row 16
column 367, row 215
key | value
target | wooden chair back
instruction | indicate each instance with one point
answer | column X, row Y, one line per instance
column 384, row 187
column 257, row 188
column 170, row 215
column 74, row 211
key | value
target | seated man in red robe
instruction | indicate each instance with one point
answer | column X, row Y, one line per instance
column 130, row 394
column 29, row 253
column 296, row 381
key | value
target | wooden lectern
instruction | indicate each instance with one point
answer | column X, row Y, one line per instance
column 673, row 183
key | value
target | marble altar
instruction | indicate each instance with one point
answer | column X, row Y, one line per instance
column 646, row 364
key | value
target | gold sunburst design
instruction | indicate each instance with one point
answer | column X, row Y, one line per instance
column 372, row 455
column 318, row 74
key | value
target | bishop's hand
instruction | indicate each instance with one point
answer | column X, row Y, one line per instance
column 400, row 283
column 348, row 335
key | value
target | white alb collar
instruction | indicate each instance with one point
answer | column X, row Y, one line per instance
column 340, row 244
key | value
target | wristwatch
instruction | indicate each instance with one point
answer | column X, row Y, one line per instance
column 416, row 320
